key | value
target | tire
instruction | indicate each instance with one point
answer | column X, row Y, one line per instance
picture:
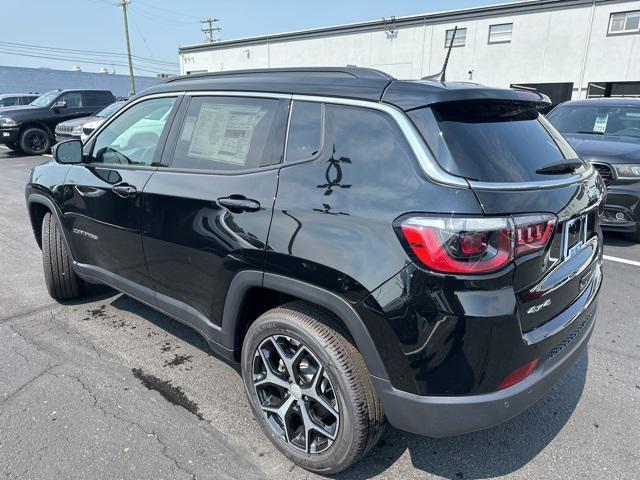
column 343, row 382
column 13, row 146
column 62, row 282
column 35, row 141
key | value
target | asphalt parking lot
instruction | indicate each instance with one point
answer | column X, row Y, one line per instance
column 108, row 388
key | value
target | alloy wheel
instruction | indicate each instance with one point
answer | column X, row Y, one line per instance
column 37, row 141
column 296, row 394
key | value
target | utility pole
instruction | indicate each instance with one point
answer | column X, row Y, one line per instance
column 124, row 4
column 208, row 31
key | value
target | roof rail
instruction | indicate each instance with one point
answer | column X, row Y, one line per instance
column 356, row 72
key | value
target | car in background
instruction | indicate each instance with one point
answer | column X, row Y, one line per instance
column 30, row 128
column 17, row 99
column 80, row 128
column 606, row 132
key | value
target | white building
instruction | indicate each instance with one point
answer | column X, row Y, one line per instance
column 566, row 48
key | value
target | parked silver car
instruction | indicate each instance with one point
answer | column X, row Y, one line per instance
column 81, row 128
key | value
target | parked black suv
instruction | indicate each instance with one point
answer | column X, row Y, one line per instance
column 606, row 132
column 364, row 247
column 30, row 129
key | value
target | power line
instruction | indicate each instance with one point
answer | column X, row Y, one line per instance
column 173, row 12
column 156, row 17
column 72, row 59
column 88, row 52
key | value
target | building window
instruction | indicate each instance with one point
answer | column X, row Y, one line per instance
column 461, row 38
column 624, row 22
column 500, row 33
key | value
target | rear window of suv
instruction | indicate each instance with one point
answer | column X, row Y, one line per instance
column 491, row 141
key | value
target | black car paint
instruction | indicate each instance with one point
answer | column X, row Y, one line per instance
column 325, row 230
column 46, row 117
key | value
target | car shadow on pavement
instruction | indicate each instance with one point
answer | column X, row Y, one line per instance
column 494, row 452
column 491, row 453
column 615, row 239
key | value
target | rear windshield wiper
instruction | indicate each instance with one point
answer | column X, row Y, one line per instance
column 560, row 167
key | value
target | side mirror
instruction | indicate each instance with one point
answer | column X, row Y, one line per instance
column 59, row 105
column 69, row 151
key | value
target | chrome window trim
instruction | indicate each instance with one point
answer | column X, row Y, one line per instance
column 418, row 146
column 237, row 93
column 430, row 167
column 543, row 184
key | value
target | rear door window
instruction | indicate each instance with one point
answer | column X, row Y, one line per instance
column 8, row 101
column 492, row 141
column 97, row 99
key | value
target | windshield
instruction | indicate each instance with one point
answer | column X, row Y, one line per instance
column 597, row 119
column 105, row 112
column 45, row 99
column 491, row 141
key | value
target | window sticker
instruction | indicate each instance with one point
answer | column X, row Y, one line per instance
column 600, row 124
column 224, row 132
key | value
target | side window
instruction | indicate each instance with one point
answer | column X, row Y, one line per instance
column 132, row 137
column 228, row 134
column 97, row 99
column 8, row 102
column 72, row 99
column 305, row 131
column 366, row 139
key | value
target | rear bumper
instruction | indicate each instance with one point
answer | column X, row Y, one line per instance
column 448, row 416
column 445, row 416
column 9, row 135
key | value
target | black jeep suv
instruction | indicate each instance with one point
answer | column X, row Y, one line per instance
column 365, row 247
column 30, row 129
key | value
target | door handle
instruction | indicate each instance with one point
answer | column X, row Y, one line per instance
column 239, row 203
column 124, row 190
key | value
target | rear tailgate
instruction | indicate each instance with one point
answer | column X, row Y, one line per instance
column 502, row 148
column 547, row 282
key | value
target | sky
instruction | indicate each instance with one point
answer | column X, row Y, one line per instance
column 68, row 33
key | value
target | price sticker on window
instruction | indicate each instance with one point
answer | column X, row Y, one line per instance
column 600, row 125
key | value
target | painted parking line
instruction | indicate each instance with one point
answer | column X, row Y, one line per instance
column 621, row 260
column 4, row 148
column 48, row 155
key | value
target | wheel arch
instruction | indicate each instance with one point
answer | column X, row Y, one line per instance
column 293, row 289
column 38, row 206
column 36, row 124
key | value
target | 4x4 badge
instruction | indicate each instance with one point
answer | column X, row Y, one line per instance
column 537, row 308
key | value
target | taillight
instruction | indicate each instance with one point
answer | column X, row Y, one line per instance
column 475, row 244
column 532, row 233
